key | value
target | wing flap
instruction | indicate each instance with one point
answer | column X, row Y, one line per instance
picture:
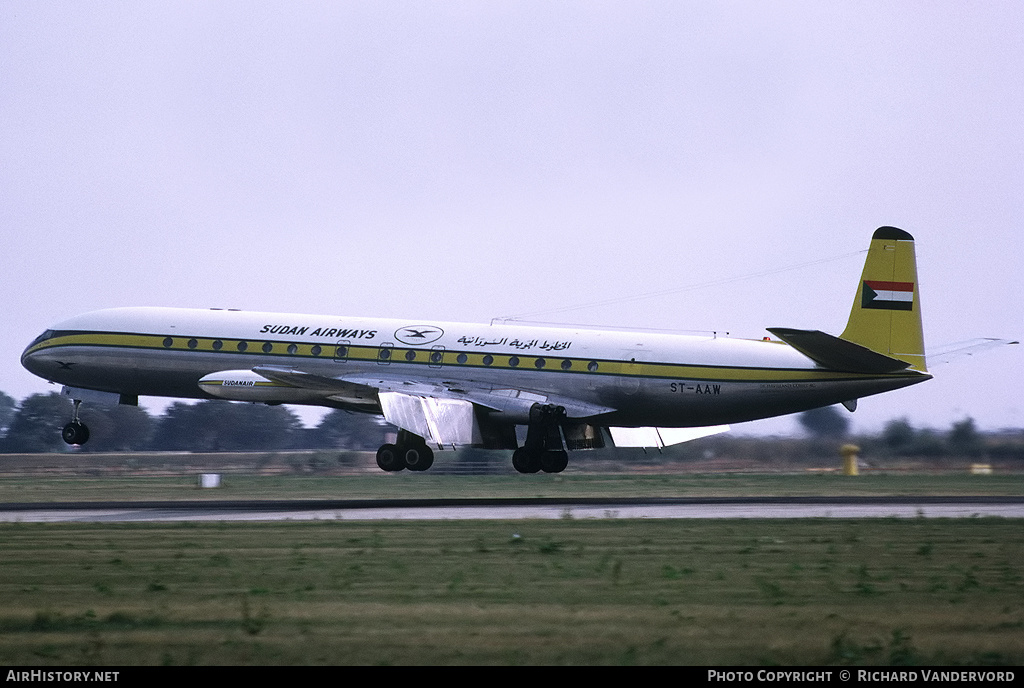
column 444, row 422
column 661, row 437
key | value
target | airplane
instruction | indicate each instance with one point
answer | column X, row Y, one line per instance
column 446, row 384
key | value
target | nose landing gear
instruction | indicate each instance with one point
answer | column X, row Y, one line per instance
column 75, row 432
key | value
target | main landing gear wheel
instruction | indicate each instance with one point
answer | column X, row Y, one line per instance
column 389, row 459
column 543, row 450
column 551, row 461
column 526, row 461
column 411, row 452
column 418, row 457
column 554, row 461
column 75, row 432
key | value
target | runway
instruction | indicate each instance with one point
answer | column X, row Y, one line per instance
column 515, row 509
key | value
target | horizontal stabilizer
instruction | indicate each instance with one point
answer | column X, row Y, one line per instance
column 838, row 354
column 972, row 347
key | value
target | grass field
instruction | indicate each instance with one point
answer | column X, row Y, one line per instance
column 870, row 591
column 828, row 591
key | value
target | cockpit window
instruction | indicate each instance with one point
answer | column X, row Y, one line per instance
column 42, row 338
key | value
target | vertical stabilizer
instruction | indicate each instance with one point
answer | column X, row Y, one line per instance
column 886, row 314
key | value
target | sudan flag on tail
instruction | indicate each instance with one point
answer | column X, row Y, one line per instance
column 891, row 296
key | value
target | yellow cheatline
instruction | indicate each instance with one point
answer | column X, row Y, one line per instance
column 676, row 371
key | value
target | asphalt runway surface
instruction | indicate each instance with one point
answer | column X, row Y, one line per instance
column 511, row 509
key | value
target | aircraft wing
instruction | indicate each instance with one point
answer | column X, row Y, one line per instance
column 334, row 389
column 443, row 413
column 481, row 394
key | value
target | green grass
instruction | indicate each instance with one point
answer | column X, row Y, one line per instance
column 829, row 591
column 409, row 485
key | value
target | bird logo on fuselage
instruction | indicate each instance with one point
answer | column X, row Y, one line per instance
column 418, row 334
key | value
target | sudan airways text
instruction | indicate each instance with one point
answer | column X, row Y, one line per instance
column 333, row 332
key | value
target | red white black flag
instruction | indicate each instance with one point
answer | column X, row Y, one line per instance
column 892, row 296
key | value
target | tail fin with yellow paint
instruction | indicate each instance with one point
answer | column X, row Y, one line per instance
column 886, row 314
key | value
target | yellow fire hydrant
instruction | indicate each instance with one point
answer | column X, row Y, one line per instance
column 849, row 453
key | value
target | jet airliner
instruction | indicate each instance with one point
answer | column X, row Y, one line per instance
column 446, row 384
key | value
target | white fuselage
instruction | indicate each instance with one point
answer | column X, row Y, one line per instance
column 621, row 378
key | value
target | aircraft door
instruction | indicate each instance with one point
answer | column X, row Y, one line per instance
column 436, row 356
column 629, row 372
column 384, row 353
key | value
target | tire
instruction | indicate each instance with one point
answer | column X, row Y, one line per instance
column 554, row 461
column 418, row 457
column 75, row 433
column 525, row 461
column 388, row 458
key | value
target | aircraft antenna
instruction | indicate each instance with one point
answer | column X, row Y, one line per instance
column 679, row 290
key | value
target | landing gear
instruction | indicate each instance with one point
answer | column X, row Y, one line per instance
column 410, row 451
column 75, row 432
column 387, row 458
column 554, row 461
column 418, row 457
column 526, row 460
column 543, row 450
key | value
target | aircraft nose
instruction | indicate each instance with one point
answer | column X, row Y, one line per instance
column 31, row 357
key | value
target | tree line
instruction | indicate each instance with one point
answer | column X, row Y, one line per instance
column 34, row 426
column 899, row 438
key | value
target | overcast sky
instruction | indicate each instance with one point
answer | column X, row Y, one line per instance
column 467, row 160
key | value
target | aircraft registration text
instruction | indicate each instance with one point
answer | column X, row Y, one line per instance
column 683, row 388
